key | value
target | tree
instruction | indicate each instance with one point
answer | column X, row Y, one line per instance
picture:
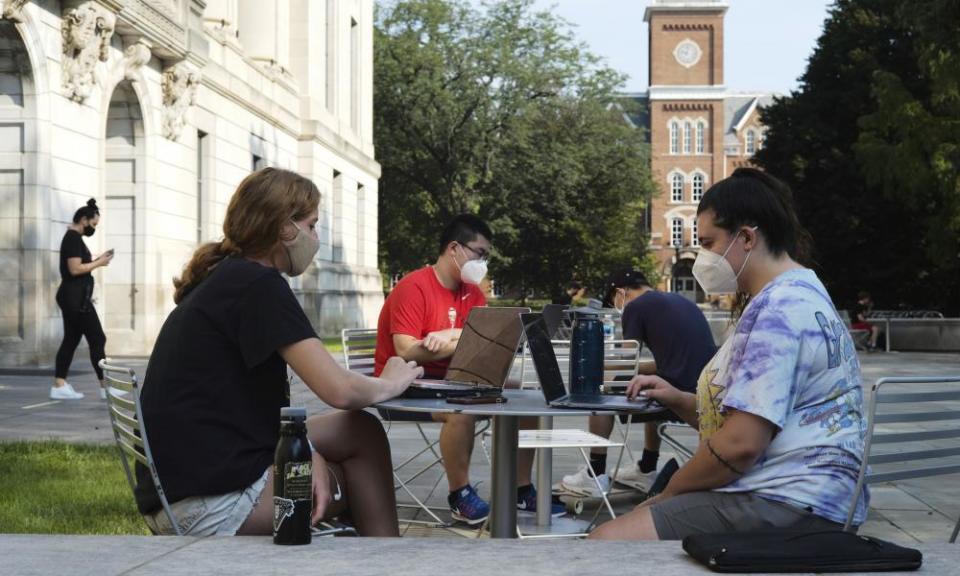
column 869, row 144
column 499, row 112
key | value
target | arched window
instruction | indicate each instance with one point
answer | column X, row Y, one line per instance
column 674, row 138
column 687, row 137
column 676, row 188
column 698, row 182
column 676, row 232
column 701, row 137
column 694, row 236
column 751, row 142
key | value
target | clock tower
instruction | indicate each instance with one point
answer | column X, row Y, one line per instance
column 687, row 127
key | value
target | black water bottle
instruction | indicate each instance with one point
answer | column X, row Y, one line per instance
column 292, row 480
column 586, row 352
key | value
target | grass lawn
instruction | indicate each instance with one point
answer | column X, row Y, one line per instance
column 333, row 344
column 60, row 488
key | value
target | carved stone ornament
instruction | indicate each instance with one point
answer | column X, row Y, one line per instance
column 180, row 83
column 86, row 32
column 135, row 57
column 12, row 9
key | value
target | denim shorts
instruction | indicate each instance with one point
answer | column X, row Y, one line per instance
column 220, row 515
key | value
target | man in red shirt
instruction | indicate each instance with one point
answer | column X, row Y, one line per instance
column 421, row 320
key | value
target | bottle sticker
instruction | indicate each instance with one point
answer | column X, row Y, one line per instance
column 298, row 480
column 282, row 509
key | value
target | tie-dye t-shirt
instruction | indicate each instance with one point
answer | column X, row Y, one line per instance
column 791, row 362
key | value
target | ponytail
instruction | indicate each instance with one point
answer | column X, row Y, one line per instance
column 204, row 260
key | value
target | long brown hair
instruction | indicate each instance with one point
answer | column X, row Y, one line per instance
column 262, row 204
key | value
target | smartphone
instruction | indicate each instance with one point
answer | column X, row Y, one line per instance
column 110, row 252
column 482, row 399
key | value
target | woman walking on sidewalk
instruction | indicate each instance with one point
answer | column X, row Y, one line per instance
column 74, row 297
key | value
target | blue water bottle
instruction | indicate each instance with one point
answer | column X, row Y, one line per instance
column 586, row 352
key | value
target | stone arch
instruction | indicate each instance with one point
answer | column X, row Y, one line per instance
column 123, row 182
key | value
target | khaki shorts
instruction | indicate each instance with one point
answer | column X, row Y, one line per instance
column 220, row 515
column 713, row 512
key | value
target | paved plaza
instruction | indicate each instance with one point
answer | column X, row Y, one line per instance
column 909, row 512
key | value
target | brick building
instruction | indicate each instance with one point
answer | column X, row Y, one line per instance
column 699, row 132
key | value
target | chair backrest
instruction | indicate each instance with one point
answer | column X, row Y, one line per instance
column 126, row 420
column 359, row 349
column 621, row 359
column 911, row 434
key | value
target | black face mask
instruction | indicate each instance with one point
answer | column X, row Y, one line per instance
column 88, row 230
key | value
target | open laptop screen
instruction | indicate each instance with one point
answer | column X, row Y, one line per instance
column 487, row 346
column 544, row 358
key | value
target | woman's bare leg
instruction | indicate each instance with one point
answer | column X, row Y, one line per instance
column 355, row 447
column 260, row 520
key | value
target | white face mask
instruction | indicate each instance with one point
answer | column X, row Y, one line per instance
column 714, row 272
column 472, row 271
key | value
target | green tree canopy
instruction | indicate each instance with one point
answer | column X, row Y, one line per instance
column 870, row 143
column 499, row 112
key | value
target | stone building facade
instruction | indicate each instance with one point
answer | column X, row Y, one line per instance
column 158, row 109
column 699, row 131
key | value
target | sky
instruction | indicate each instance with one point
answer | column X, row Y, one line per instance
column 767, row 42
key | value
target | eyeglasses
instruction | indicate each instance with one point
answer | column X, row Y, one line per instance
column 482, row 254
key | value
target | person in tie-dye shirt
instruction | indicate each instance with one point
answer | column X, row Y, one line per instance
column 780, row 407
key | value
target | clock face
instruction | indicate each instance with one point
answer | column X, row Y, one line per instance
column 687, row 53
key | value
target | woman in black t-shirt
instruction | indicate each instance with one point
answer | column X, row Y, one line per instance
column 74, row 299
column 217, row 379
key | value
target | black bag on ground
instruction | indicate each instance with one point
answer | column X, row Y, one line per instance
column 791, row 551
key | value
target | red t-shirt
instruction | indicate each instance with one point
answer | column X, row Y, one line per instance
column 418, row 305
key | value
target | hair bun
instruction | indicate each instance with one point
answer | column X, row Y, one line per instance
column 92, row 203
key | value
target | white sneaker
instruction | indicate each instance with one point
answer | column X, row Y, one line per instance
column 65, row 392
column 583, row 484
column 630, row 475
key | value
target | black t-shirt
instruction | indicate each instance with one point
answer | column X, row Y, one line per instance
column 215, row 383
column 75, row 291
column 675, row 331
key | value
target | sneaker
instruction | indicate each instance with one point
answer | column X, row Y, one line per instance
column 528, row 503
column 467, row 506
column 630, row 475
column 116, row 393
column 583, row 484
column 65, row 392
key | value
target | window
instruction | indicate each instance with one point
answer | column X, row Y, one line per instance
column 701, row 137
column 751, row 142
column 676, row 188
column 698, row 181
column 676, row 232
column 203, row 151
column 687, row 137
column 694, row 234
column 354, row 75
column 674, row 138
column 330, row 56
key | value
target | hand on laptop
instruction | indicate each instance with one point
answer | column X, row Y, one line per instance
column 653, row 388
column 400, row 372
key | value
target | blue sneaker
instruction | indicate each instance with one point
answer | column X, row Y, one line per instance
column 467, row 506
column 527, row 502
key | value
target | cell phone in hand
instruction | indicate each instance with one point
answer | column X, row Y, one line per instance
column 110, row 252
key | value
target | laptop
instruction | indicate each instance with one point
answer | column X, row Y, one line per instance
column 558, row 324
column 551, row 381
column 483, row 357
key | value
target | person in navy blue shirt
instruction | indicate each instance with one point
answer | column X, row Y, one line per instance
column 677, row 334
